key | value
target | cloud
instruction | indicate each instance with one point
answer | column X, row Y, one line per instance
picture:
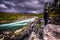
column 2, row 6
column 10, row 3
column 25, row 6
column 48, row 0
column 11, row 10
column 30, row 6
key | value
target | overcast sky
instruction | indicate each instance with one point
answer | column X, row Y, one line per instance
column 24, row 6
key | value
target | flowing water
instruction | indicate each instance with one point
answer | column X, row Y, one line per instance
column 15, row 25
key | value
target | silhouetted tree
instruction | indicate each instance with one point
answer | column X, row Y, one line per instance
column 46, row 14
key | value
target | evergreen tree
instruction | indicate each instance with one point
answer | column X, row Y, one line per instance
column 46, row 14
column 55, row 10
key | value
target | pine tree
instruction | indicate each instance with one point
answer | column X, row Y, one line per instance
column 55, row 10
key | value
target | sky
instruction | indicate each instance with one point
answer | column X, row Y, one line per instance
column 23, row 6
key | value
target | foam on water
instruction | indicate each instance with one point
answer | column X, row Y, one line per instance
column 19, row 23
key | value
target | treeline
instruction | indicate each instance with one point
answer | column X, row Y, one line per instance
column 14, row 16
column 54, row 9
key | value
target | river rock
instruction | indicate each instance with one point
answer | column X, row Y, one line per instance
column 52, row 32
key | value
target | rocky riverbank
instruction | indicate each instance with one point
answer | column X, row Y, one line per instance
column 33, row 32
